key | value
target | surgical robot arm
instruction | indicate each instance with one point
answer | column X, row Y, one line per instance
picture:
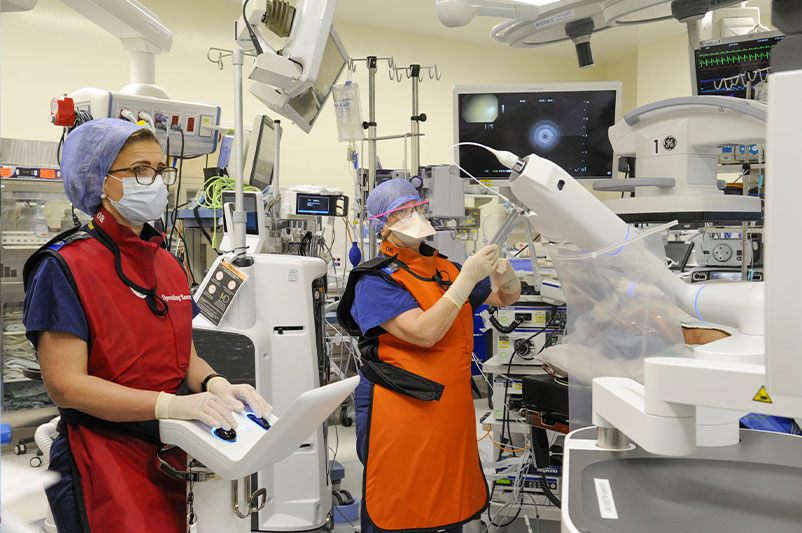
column 564, row 210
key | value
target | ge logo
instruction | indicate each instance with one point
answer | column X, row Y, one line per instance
column 669, row 143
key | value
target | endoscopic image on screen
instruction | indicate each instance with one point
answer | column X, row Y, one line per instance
column 566, row 127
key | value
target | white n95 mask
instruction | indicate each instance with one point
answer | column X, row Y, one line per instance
column 411, row 230
column 141, row 203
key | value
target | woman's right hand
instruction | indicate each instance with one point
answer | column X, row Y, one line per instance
column 478, row 266
column 203, row 406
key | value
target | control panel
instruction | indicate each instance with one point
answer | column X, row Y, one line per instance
column 217, row 448
column 257, row 442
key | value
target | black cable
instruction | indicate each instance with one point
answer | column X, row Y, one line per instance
column 496, row 324
column 547, row 491
column 251, row 33
column 186, row 253
column 178, row 188
column 505, row 421
column 519, row 252
column 58, row 150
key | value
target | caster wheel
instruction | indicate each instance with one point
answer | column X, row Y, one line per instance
column 20, row 449
column 36, row 461
column 345, row 420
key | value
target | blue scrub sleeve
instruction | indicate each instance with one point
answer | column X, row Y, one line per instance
column 377, row 300
column 52, row 305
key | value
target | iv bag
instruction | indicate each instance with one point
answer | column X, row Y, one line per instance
column 348, row 112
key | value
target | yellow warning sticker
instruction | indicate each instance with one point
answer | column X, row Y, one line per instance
column 762, row 395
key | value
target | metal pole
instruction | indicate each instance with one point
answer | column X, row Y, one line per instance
column 276, row 150
column 239, row 215
column 415, row 126
column 371, row 60
column 536, row 279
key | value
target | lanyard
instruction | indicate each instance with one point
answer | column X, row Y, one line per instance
column 156, row 303
column 437, row 278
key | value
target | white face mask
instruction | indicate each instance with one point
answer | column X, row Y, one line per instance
column 411, row 230
column 141, row 203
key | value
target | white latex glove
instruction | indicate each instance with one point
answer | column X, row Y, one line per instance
column 203, row 406
column 503, row 276
column 234, row 396
column 476, row 268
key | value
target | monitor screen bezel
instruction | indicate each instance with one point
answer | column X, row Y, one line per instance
column 260, row 123
column 596, row 86
column 726, row 40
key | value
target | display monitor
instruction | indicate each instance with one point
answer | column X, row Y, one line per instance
column 304, row 108
column 250, row 201
column 261, row 154
column 725, row 58
column 566, row 123
column 313, row 204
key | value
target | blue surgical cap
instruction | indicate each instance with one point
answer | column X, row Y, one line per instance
column 86, row 158
column 388, row 196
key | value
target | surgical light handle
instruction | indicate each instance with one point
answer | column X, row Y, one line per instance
column 734, row 104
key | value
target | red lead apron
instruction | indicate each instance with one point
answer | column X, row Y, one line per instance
column 422, row 469
column 129, row 345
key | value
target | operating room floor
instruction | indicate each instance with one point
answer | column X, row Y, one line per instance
column 343, row 439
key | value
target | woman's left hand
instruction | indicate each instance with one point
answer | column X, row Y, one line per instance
column 234, row 396
column 503, row 275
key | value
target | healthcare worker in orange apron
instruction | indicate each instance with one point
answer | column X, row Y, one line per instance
column 416, row 425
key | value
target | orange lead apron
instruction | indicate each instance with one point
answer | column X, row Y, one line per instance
column 422, row 469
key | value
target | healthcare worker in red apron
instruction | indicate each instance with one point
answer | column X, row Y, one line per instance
column 416, row 426
column 109, row 311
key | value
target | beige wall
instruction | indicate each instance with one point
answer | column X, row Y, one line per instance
column 663, row 70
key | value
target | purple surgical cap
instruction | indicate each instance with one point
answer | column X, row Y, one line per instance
column 386, row 197
column 86, row 158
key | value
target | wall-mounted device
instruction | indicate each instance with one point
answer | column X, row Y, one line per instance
column 313, row 201
column 254, row 226
column 297, row 81
column 168, row 117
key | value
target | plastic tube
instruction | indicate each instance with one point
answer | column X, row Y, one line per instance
column 45, row 435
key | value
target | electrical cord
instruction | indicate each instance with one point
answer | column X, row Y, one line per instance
column 251, row 33
column 178, row 187
column 547, row 490
column 503, row 329
column 210, row 196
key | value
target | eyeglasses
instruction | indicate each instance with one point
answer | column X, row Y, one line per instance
column 405, row 212
column 145, row 175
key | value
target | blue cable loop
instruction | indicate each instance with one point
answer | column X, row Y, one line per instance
column 696, row 303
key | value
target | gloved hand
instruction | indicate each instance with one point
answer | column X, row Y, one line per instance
column 503, row 276
column 476, row 268
column 233, row 396
column 203, row 406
